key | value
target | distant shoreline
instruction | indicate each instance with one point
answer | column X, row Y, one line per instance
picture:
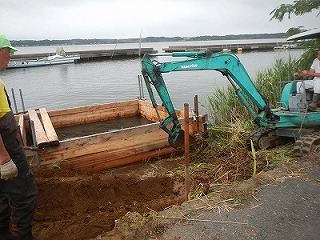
column 47, row 42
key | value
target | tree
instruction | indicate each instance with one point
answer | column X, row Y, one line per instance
column 298, row 8
column 293, row 30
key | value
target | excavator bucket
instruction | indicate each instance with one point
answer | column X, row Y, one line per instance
column 179, row 143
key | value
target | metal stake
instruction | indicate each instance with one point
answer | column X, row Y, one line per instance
column 196, row 111
column 186, row 151
column 22, row 102
column 14, row 100
column 140, row 84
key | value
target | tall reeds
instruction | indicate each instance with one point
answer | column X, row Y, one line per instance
column 225, row 107
column 232, row 122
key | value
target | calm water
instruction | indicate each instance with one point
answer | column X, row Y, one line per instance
column 72, row 85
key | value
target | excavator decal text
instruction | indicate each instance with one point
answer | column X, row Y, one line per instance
column 189, row 66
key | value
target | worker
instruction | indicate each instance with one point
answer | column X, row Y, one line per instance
column 18, row 190
column 315, row 83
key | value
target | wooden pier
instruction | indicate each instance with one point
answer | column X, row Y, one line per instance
column 229, row 47
column 91, row 55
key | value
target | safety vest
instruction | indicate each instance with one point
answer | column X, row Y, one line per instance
column 4, row 100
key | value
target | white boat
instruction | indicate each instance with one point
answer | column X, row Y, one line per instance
column 59, row 58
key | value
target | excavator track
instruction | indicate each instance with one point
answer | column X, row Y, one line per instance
column 260, row 138
column 265, row 138
column 307, row 144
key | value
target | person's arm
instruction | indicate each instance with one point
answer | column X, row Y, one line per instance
column 8, row 169
column 312, row 73
column 307, row 73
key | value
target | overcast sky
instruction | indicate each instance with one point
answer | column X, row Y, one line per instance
column 67, row 19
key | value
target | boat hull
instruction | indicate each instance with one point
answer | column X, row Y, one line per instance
column 42, row 62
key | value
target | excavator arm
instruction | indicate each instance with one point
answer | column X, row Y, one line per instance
column 228, row 64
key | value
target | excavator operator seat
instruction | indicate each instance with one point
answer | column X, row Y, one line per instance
column 294, row 97
column 298, row 100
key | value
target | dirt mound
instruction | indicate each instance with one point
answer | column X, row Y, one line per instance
column 75, row 205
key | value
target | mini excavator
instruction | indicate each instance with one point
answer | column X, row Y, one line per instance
column 291, row 120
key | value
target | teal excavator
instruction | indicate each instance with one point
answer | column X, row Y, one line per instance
column 290, row 121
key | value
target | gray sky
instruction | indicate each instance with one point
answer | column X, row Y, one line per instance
column 67, row 19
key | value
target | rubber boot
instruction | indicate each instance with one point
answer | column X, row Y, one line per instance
column 313, row 105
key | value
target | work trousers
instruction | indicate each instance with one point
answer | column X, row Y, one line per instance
column 18, row 195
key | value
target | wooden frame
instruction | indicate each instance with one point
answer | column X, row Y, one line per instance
column 101, row 150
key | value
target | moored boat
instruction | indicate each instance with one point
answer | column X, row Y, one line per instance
column 59, row 58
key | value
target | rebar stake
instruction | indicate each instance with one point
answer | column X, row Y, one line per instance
column 186, row 151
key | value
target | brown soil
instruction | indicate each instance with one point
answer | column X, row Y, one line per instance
column 77, row 205
column 74, row 205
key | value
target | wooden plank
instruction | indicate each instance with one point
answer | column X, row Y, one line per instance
column 22, row 129
column 106, row 142
column 48, row 127
column 91, row 117
column 106, row 160
column 92, row 108
column 41, row 136
column 113, row 163
column 147, row 111
column 83, row 115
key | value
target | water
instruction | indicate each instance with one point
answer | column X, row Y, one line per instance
column 73, row 85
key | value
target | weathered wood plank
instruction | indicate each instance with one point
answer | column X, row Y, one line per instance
column 120, row 140
column 41, row 136
column 83, row 115
column 106, row 160
column 91, row 108
column 147, row 111
column 48, row 127
column 22, row 130
column 98, row 166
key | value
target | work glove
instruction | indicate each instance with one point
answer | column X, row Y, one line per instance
column 8, row 170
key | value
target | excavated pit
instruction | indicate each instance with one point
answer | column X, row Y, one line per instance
column 77, row 205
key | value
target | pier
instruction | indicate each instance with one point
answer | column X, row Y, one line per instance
column 230, row 47
column 92, row 55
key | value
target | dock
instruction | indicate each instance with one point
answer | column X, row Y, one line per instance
column 229, row 47
column 92, row 55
